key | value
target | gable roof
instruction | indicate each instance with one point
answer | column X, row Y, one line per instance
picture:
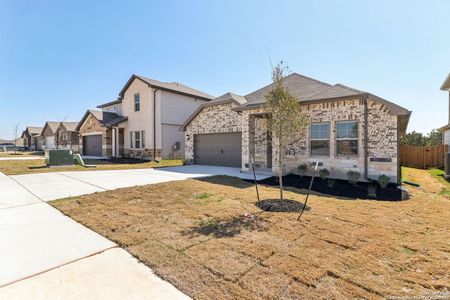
column 69, row 126
column 117, row 101
column 52, row 125
column 34, row 130
column 174, row 87
column 225, row 98
column 106, row 119
column 307, row 90
column 446, row 85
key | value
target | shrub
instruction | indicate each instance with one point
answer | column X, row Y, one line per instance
column 372, row 190
column 383, row 181
column 330, row 182
column 353, row 176
column 324, row 173
column 302, row 169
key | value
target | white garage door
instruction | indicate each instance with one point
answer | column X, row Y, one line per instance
column 49, row 142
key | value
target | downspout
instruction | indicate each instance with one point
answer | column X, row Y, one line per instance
column 154, row 124
column 366, row 138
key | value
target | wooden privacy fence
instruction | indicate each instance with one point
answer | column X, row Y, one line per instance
column 423, row 157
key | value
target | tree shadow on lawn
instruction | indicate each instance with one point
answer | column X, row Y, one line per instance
column 222, row 228
column 228, row 181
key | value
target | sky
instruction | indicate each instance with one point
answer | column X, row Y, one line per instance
column 60, row 58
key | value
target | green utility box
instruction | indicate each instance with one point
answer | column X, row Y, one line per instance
column 59, row 158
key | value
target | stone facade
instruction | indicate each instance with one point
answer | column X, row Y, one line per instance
column 67, row 139
column 92, row 126
column 212, row 119
column 381, row 144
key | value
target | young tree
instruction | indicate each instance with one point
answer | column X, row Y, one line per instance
column 285, row 117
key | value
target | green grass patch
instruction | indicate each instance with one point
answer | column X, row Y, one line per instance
column 439, row 175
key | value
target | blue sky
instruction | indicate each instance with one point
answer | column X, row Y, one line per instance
column 59, row 58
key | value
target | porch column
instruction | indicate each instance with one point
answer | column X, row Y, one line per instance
column 113, row 141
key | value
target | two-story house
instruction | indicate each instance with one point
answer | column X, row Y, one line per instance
column 143, row 122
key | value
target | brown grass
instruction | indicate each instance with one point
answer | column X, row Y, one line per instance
column 209, row 239
column 15, row 167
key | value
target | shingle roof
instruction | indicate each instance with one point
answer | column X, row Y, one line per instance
column 117, row 101
column 70, row 126
column 446, row 85
column 308, row 89
column 107, row 119
column 33, row 130
column 300, row 86
column 52, row 125
column 169, row 86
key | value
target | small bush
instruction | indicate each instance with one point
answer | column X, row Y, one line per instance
column 330, row 182
column 383, row 181
column 353, row 176
column 372, row 190
column 302, row 169
column 324, row 173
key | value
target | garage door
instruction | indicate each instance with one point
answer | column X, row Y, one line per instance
column 92, row 145
column 49, row 142
column 219, row 149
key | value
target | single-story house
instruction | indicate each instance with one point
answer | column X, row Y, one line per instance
column 32, row 139
column 146, row 119
column 48, row 135
column 446, row 129
column 348, row 130
column 67, row 136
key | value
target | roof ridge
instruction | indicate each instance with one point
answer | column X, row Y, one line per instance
column 349, row 88
column 310, row 78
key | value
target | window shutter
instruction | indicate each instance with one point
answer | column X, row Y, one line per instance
column 131, row 139
column 143, row 139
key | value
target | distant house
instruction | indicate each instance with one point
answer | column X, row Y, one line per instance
column 446, row 129
column 349, row 130
column 66, row 136
column 143, row 122
column 48, row 135
column 32, row 139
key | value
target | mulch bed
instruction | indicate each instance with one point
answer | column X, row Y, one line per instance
column 341, row 188
column 276, row 205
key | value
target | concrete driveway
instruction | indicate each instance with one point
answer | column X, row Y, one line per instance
column 57, row 185
column 46, row 255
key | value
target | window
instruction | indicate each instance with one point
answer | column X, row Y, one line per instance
column 131, row 139
column 137, row 139
column 137, row 102
column 320, row 139
column 143, row 139
column 347, row 138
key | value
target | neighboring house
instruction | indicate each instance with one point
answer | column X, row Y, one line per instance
column 148, row 116
column 32, row 139
column 95, row 133
column 48, row 135
column 349, row 130
column 446, row 129
column 66, row 136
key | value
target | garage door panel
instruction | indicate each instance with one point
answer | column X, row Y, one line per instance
column 92, row 145
column 221, row 149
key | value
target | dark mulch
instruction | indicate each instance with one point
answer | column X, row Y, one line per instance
column 276, row 205
column 341, row 188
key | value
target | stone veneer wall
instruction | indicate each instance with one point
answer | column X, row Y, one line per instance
column 211, row 119
column 90, row 125
column 67, row 139
column 382, row 139
column 146, row 154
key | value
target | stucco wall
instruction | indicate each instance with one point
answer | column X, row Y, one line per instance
column 211, row 119
column 115, row 108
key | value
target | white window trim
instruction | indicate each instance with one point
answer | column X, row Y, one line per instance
column 137, row 102
column 320, row 139
column 137, row 140
column 347, row 139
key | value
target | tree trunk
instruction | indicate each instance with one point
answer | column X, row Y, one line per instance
column 280, row 170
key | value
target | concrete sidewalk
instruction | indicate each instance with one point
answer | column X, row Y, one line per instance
column 46, row 255
column 21, row 158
